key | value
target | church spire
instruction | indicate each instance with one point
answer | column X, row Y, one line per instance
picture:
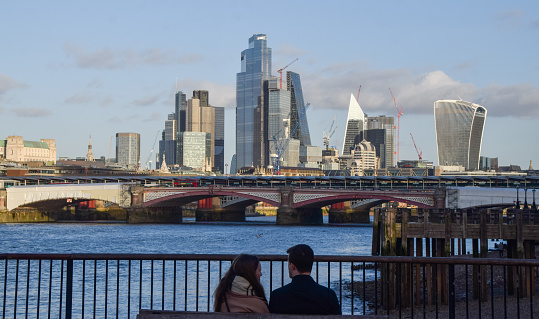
column 89, row 155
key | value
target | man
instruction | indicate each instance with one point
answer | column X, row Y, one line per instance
column 303, row 295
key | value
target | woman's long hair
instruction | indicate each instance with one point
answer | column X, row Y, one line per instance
column 245, row 266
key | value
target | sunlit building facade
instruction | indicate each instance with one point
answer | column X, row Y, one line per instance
column 354, row 125
column 459, row 132
column 128, row 149
column 255, row 67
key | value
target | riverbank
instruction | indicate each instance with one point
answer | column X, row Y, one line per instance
column 463, row 308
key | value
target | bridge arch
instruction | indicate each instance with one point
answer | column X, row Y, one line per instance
column 159, row 197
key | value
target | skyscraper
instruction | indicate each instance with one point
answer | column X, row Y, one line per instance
column 459, row 132
column 255, row 67
column 128, row 149
column 219, row 140
column 379, row 130
column 354, row 125
column 179, row 111
column 298, row 109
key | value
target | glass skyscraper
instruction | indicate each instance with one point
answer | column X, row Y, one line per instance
column 459, row 132
column 128, row 149
column 298, row 109
column 255, row 67
column 354, row 125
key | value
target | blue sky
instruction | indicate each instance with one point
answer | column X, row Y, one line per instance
column 71, row 69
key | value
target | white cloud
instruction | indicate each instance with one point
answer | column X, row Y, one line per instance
column 117, row 59
column 415, row 93
column 146, row 100
column 31, row 112
column 7, row 83
column 78, row 99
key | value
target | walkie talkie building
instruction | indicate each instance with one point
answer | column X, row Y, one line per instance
column 459, row 132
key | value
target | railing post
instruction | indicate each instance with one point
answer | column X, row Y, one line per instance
column 69, row 288
column 452, row 290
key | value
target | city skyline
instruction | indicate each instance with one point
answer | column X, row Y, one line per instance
column 65, row 76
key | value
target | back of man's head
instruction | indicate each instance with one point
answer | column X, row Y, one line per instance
column 302, row 256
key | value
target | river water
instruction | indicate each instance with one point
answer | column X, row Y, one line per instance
column 258, row 235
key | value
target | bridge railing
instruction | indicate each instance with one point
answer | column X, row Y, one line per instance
column 117, row 286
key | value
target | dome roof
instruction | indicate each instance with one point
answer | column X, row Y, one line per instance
column 365, row 146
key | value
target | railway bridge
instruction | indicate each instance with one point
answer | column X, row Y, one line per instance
column 295, row 205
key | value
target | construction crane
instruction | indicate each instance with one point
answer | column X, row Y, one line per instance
column 399, row 114
column 358, row 93
column 149, row 160
column 416, row 150
column 330, row 133
column 281, row 144
column 281, row 71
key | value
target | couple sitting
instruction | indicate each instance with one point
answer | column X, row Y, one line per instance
column 240, row 289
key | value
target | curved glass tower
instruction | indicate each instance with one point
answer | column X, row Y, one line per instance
column 255, row 67
column 459, row 132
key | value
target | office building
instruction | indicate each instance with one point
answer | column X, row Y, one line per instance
column 354, row 125
column 15, row 149
column 255, row 67
column 180, row 108
column 379, row 131
column 195, row 150
column 459, row 132
column 128, row 149
column 298, row 109
column 201, row 117
column 219, row 140
column 364, row 158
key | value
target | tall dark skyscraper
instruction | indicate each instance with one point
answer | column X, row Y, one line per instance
column 298, row 109
column 255, row 67
column 219, row 140
column 179, row 111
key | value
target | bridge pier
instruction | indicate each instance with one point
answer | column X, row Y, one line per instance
column 288, row 215
column 210, row 210
column 342, row 213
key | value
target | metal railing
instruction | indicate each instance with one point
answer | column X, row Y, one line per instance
column 118, row 285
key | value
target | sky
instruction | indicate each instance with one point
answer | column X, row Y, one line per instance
column 70, row 70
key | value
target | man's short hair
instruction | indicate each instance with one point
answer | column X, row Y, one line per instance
column 302, row 256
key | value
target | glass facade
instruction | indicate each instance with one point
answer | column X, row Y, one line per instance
column 298, row 109
column 354, row 125
column 459, row 132
column 255, row 67
column 195, row 149
column 128, row 149
column 219, row 140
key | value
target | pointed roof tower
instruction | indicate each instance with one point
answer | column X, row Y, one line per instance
column 90, row 155
column 354, row 124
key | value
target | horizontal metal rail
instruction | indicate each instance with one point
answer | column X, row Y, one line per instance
column 118, row 285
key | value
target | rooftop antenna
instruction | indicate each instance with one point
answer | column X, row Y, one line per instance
column 176, row 84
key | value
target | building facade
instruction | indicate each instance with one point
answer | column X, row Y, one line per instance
column 459, row 132
column 15, row 149
column 354, row 125
column 380, row 131
column 255, row 67
column 219, row 140
column 195, row 150
column 128, row 149
column 298, row 109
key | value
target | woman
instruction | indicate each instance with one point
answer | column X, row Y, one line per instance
column 240, row 289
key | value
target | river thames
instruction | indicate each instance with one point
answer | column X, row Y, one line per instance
column 259, row 235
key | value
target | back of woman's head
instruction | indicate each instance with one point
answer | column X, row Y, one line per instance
column 243, row 265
